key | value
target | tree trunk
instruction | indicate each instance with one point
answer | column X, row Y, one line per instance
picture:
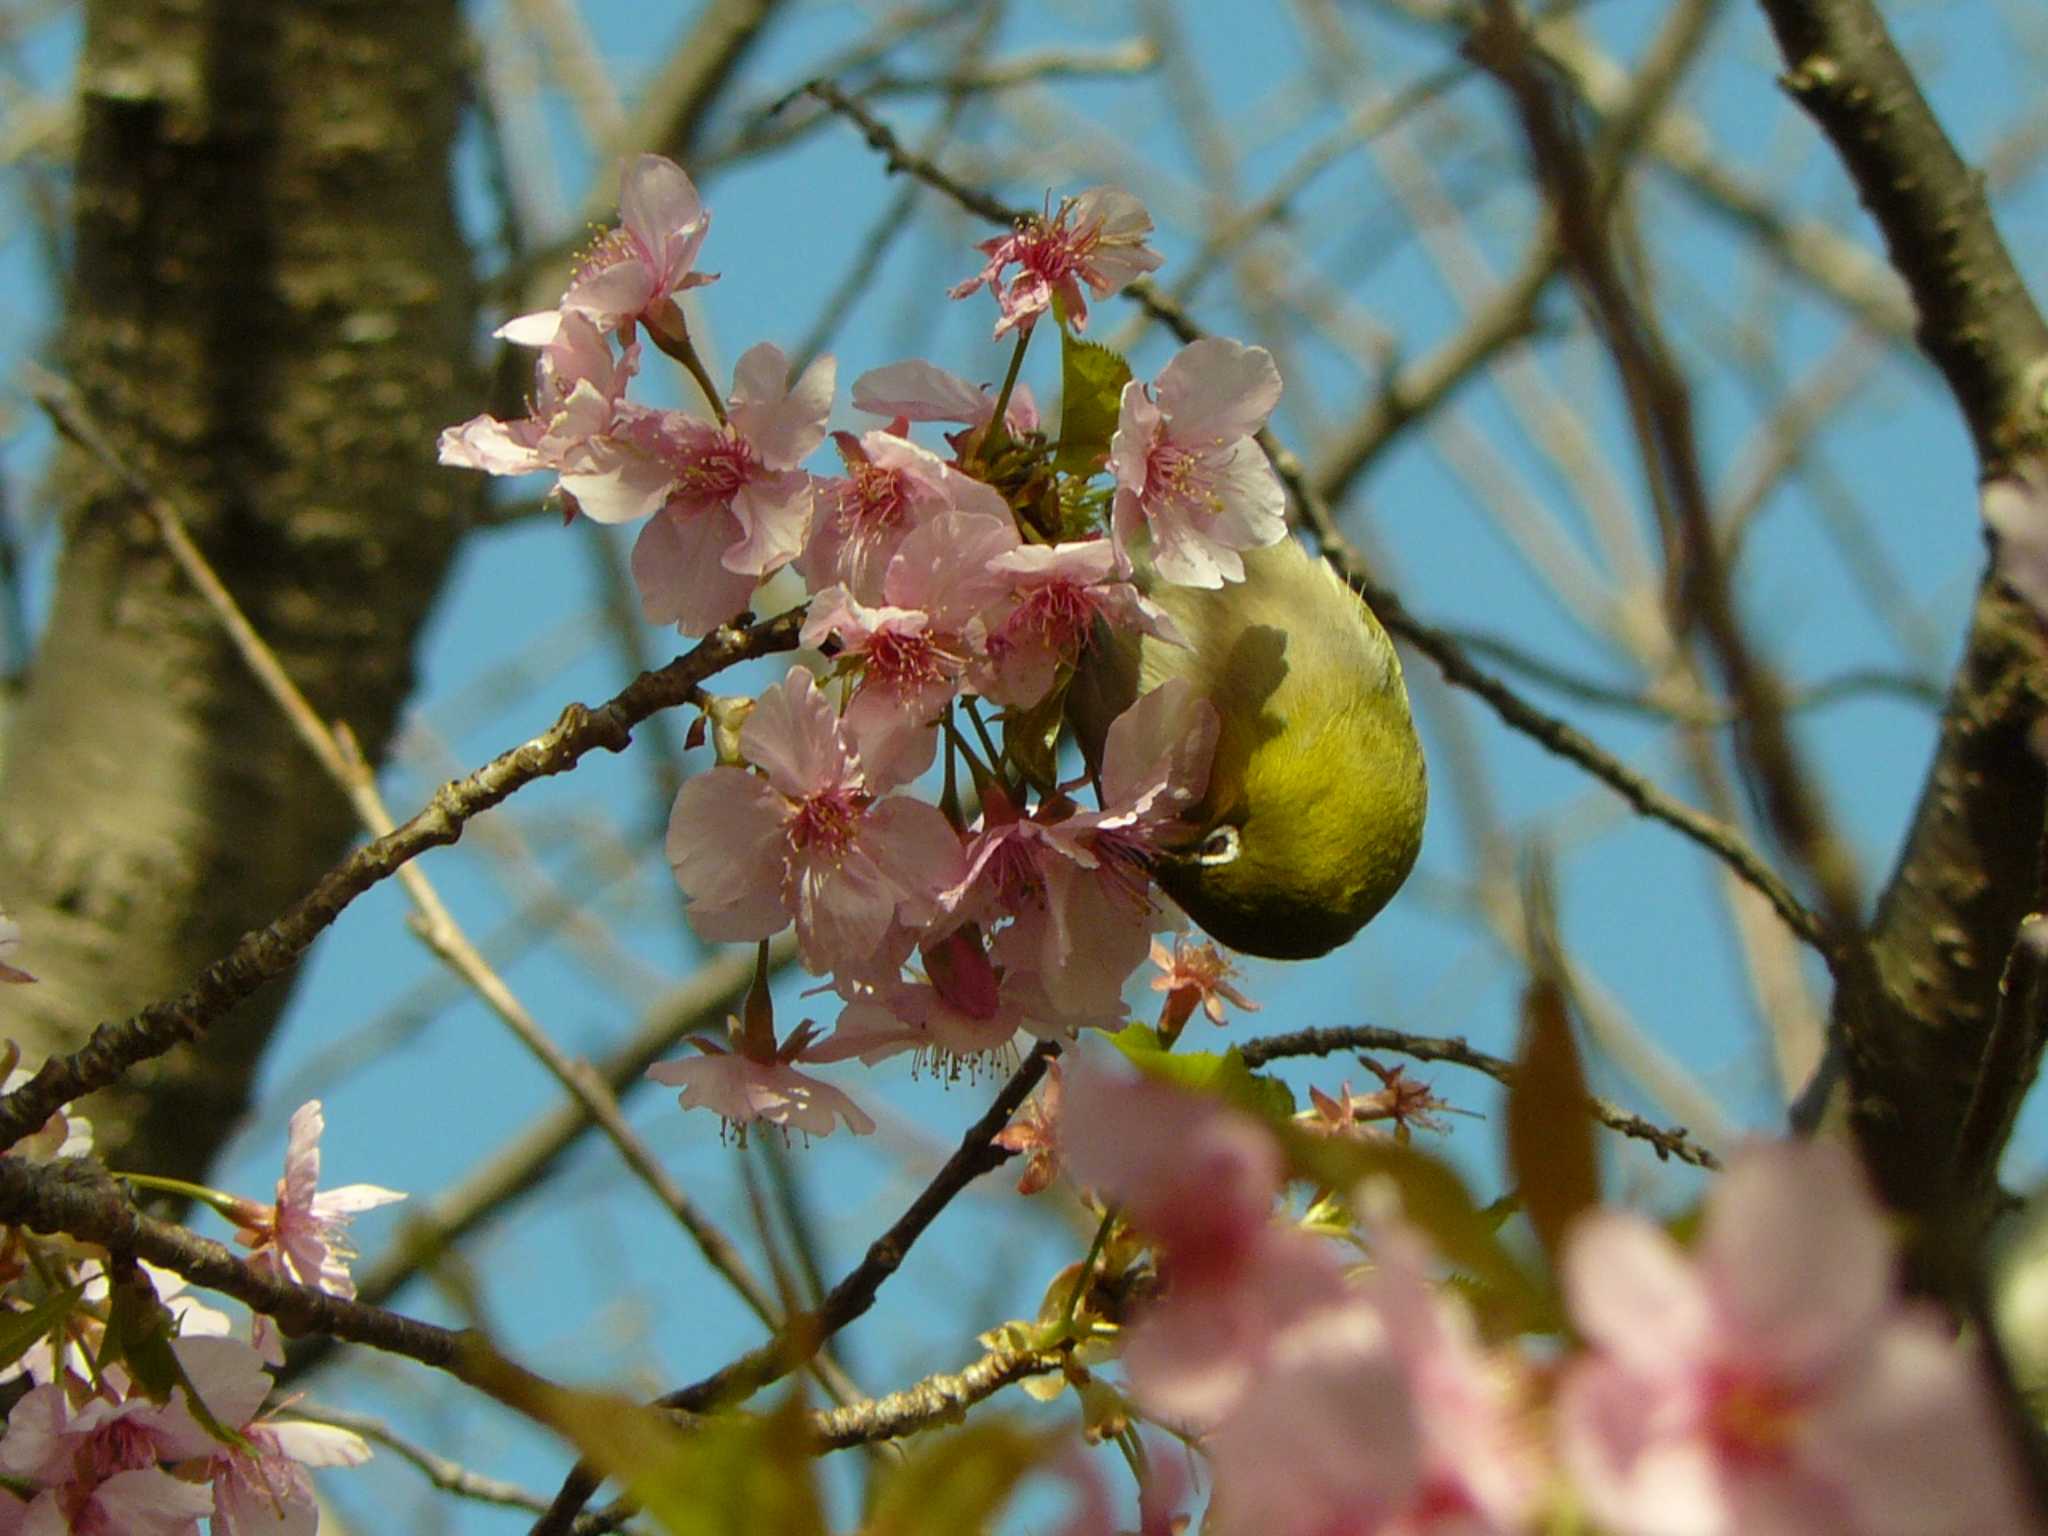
column 270, row 312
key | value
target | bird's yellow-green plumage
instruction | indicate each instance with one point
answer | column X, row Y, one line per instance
column 1317, row 794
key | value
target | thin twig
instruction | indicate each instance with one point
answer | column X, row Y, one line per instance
column 268, row 952
column 976, row 1155
column 77, row 1197
column 447, row 1475
column 1668, row 1141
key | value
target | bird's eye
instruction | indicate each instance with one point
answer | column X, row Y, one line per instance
column 1219, row 847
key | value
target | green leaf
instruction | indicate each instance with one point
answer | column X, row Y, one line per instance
column 721, row 1476
column 1092, row 380
column 1221, row 1076
column 138, row 1334
column 1031, row 739
column 1434, row 1199
column 957, row 1483
column 20, row 1330
column 1549, row 1126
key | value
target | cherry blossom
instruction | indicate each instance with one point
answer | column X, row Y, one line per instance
column 891, row 488
column 1033, row 1132
column 1077, row 881
column 580, row 426
column 633, row 272
column 1194, row 975
column 738, row 507
column 1188, row 474
column 911, row 654
column 265, row 1491
column 741, row 1088
column 1201, row 1181
column 1097, row 238
column 915, row 390
column 260, row 1485
column 302, row 1236
column 98, row 1461
column 1775, row 1380
column 807, row 838
column 1057, row 594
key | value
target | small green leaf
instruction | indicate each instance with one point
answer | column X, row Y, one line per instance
column 20, row 1330
column 1092, row 380
column 138, row 1333
column 1434, row 1199
column 1221, row 1076
column 721, row 1476
column 1031, row 739
column 1549, row 1127
column 957, row 1483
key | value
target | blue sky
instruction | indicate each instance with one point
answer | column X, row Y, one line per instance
column 584, row 1279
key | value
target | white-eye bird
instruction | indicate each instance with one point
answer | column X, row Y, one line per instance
column 1316, row 798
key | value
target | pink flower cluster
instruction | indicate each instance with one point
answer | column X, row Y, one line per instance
column 88, row 1451
column 1772, row 1380
column 933, row 578
column 104, row 1459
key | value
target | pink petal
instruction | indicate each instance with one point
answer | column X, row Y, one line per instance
column 783, row 425
column 1630, row 1477
column 726, row 844
column 1634, row 1294
column 1216, row 390
column 920, row 391
column 1161, row 746
column 677, row 568
column 312, row 1444
column 659, row 204
column 616, row 482
column 1796, row 1251
column 792, row 735
column 534, row 330
column 774, row 514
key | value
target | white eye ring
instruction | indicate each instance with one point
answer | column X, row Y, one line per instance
column 1219, row 847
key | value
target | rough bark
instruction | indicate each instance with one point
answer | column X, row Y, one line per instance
column 1937, row 1059
column 269, row 308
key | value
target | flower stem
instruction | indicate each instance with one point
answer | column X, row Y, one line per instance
column 1087, row 1269
column 995, row 435
column 671, row 334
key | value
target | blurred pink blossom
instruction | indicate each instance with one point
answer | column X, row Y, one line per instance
column 1774, row 1380
column 1200, row 1180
